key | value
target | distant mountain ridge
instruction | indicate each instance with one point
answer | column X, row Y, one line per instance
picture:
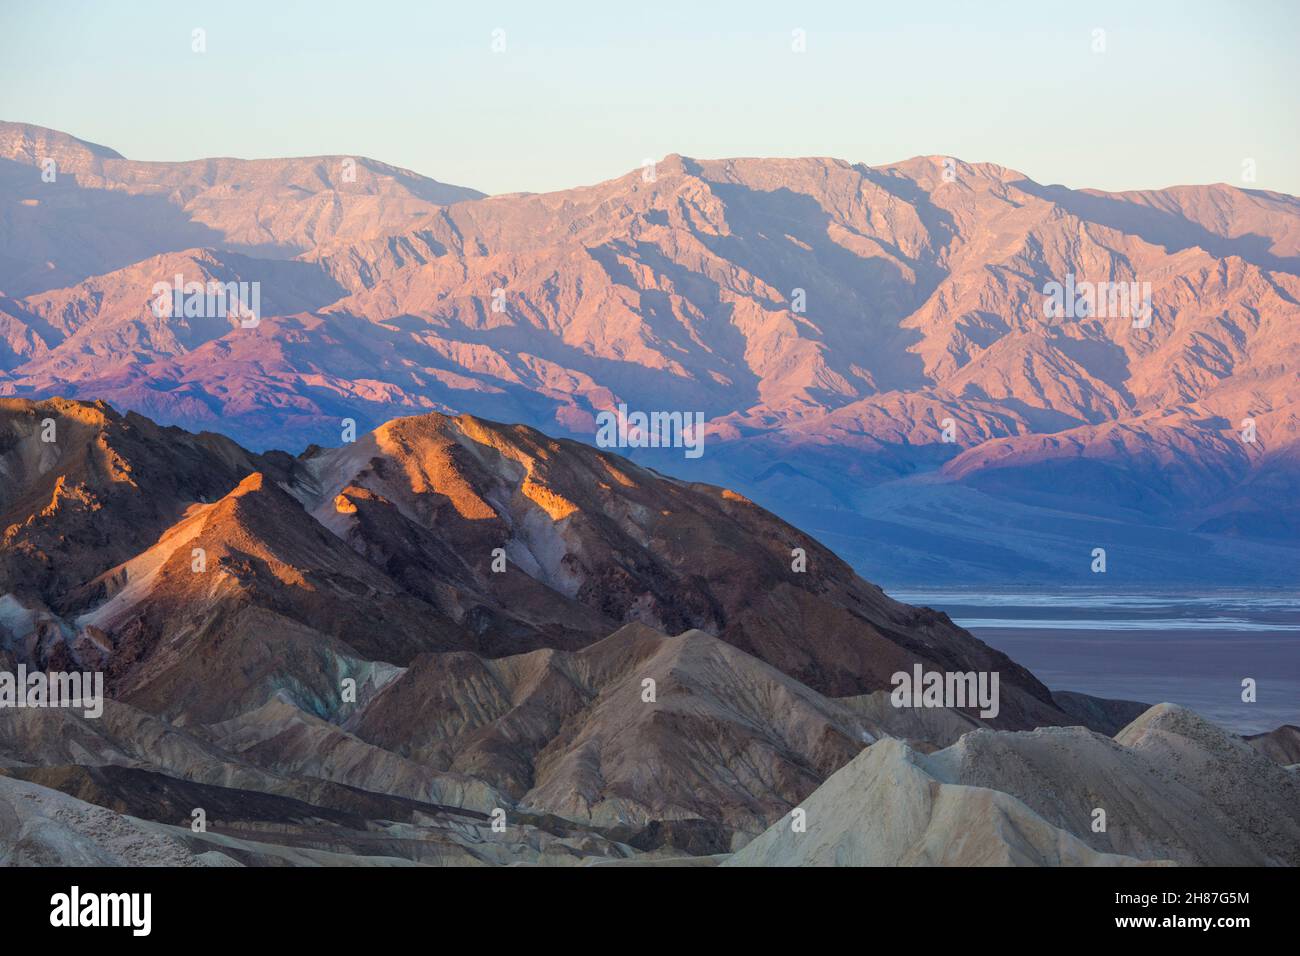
column 870, row 345
column 102, row 211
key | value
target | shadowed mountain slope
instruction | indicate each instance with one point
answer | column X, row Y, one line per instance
column 450, row 641
column 432, row 533
column 869, row 344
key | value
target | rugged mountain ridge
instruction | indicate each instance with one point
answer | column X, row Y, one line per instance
column 430, row 534
column 96, row 211
column 827, row 318
column 229, row 597
column 316, row 651
column 1171, row 788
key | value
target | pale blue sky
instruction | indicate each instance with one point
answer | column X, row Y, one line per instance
column 585, row 91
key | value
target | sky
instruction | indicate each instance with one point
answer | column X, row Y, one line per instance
column 1180, row 92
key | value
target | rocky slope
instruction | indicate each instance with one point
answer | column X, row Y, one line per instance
column 1173, row 788
column 1281, row 745
column 101, row 211
column 430, row 534
column 452, row 641
column 327, row 635
column 826, row 318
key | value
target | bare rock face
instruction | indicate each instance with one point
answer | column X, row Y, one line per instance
column 1170, row 787
column 637, row 728
column 46, row 826
column 1105, row 716
column 593, row 541
column 103, row 212
column 885, row 809
column 1282, row 745
column 466, row 535
column 474, row 662
column 484, row 627
column 840, row 327
column 451, row 641
column 86, row 488
column 41, row 827
column 923, row 729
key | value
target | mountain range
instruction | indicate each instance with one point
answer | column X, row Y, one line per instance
column 456, row 642
column 872, row 347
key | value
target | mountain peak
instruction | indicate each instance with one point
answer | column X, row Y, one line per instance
column 802, row 306
column 31, row 144
column 255, row 482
